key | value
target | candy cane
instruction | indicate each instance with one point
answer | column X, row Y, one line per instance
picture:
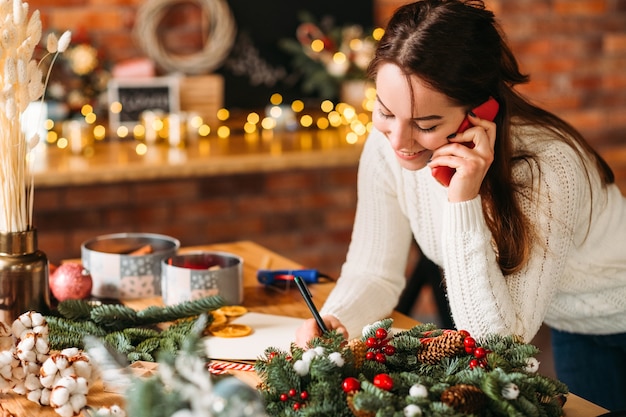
column 220, row 367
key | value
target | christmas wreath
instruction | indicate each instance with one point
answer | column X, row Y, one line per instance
column 423, row 371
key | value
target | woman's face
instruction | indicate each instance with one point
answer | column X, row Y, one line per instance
column 414, row 127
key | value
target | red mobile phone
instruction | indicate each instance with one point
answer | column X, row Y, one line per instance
column 488, row 110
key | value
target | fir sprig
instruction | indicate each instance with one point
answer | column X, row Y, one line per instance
column 125, row 329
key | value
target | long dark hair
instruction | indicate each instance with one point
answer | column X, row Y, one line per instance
column 458, row 49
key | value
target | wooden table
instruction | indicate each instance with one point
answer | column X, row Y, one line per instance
column 262, row 300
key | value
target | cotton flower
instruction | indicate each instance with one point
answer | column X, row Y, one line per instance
column 113, row 411
column 532, row 365
column 418, row 391
column 309, row 355
column 510, row 391
column 69, row 396
column 8, row 364
column 301, row 367
column 6, row 337
column 412, row 410
column 337, row 359
column 30, row 322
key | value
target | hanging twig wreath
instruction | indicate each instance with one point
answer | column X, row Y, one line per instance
column 220, row 37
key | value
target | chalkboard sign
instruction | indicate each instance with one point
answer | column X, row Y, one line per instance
column 257, row 67
column 139, row 95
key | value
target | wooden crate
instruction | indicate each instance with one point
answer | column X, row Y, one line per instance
column 202, row 94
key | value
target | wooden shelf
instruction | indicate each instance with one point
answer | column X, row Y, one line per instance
column 113, row 161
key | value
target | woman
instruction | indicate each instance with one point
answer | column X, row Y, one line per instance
column 530, row 228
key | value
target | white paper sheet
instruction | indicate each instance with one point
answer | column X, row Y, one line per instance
column 268, row 330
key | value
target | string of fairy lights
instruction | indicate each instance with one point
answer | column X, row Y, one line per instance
column 354, row 121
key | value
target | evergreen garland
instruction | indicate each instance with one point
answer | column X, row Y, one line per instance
column 383, row 374
column 126, row 330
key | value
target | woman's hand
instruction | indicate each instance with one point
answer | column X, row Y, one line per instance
column 470, row 153
column 309, row 330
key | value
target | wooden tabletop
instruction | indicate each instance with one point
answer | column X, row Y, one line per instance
column 257, row 298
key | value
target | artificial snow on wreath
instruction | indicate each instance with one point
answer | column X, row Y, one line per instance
column 423, row 371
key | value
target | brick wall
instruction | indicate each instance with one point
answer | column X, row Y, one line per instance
column 305, row 215
column 575, row 53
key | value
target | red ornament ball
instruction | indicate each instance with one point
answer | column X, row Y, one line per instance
column 304, row 395
column 383, row 381
column 70, row 281
column 292, row 392
column 350, row 384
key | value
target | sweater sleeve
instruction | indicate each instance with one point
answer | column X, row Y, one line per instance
column 554, row 197
column 373, row 275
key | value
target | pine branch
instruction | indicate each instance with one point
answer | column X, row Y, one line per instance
column 75, row 309
column 65, row 333
column 155, row 314
column 114, row 316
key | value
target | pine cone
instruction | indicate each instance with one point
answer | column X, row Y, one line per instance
column 467, row 399
column 359, row 350
column 447, row 345
column 357, row 413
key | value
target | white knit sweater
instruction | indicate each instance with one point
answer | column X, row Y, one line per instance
column 575, row 279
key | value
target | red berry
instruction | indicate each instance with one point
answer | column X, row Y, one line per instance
column 350, row 384
column 380, row 358
column 464, row 333
column 473, row 363
column 381, row 333
column 469, row 349
column 482, row 363
column 480, row 352
column 296, row 406
column 370, row 356
column 372, row 342
column 469, row 342
column 283, row 397
column 304, row 395
column 389, row 350
column 383, row 381
column 292, row 392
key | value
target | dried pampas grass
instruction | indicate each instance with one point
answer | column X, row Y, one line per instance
column 21, row 82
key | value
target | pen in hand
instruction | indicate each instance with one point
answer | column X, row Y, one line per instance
column 306, row 294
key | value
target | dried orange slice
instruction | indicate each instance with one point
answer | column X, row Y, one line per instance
column 232, row 311
column 218, row 318
column 230, row 330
